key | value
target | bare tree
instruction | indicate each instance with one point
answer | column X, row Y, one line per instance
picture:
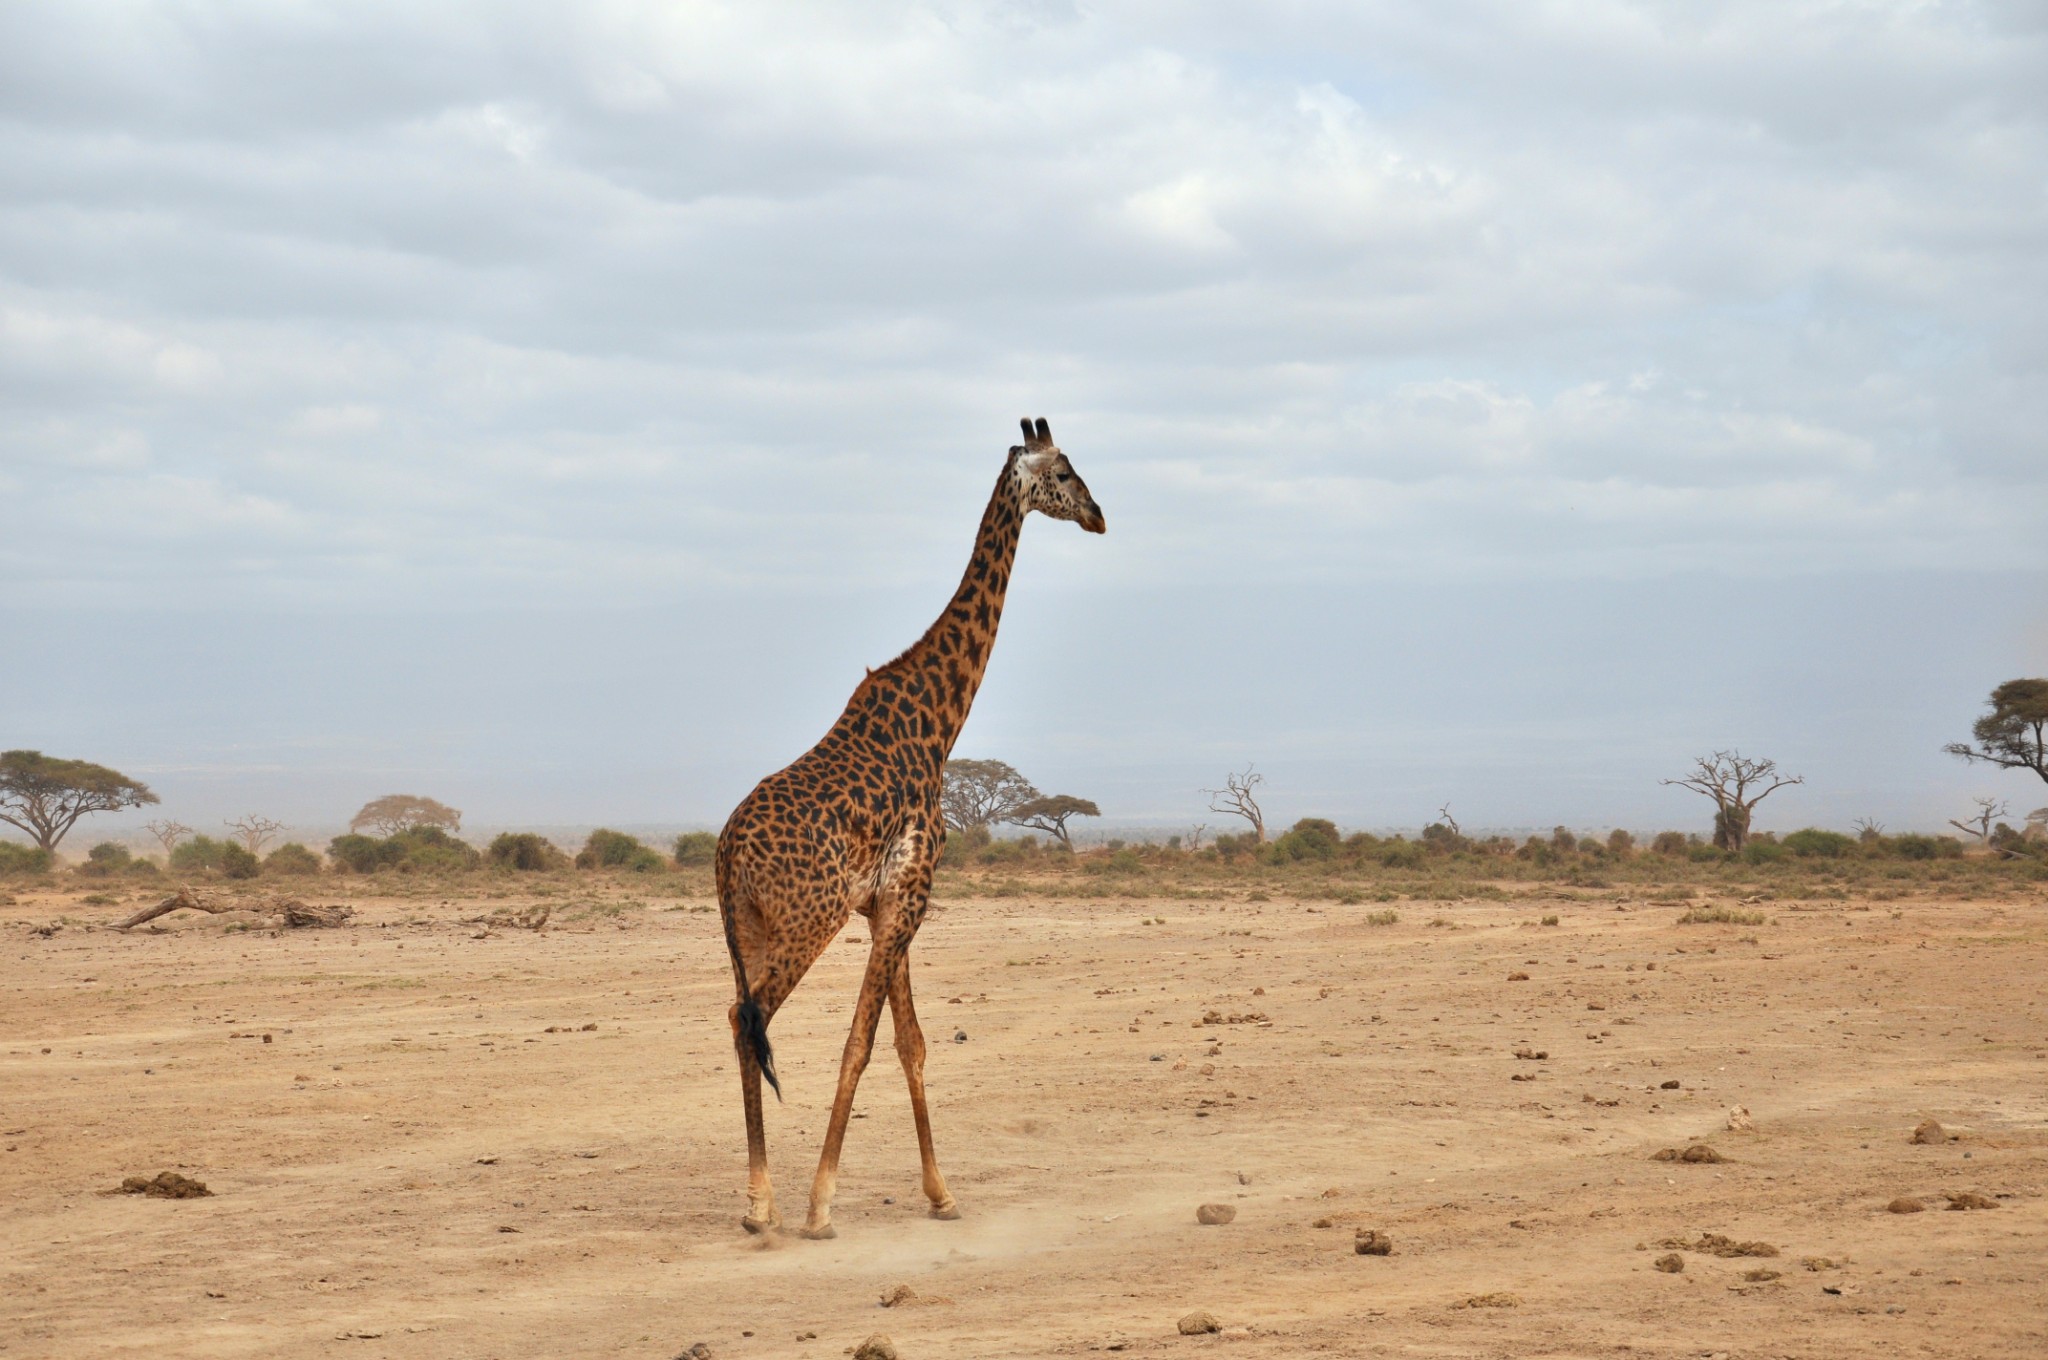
column 168, row 833
column 1443, row 814
column 1237, row 799
column 396, row 812
column 981, row 792
column 1736, row 784
column 1195, row 836
column 1868, row 829
column 254, row 831
column 1051, row 814
column 1989, row 810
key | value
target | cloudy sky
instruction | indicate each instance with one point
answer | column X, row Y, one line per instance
column 552, row 407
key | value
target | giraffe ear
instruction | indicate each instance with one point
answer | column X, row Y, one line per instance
column 1044, row 431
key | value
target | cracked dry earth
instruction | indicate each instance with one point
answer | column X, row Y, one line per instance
column 436, row 1155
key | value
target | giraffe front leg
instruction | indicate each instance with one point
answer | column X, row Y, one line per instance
column 860, row 1043
column 910, row 1048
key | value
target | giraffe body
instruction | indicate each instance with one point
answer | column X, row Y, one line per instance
column 853, row 825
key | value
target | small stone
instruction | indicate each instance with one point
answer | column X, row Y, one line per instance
column 876, row 1347
column 699, row 1351
column 1370, row 1242
column 1905, row 1205
column 959, row 1036
column 1672, row 1085
column 1671, row 1263
column 1930, row 1131
column 902, row 1293
column 1970, row 1199
column 1740, row 1121
column 1194, row 1324
column 1212, row 1215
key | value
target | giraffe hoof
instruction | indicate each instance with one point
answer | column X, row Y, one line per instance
column 758, row 1226
column 819, row 1234
column 949, row 1210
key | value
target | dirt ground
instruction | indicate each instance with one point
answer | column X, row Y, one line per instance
column 429, row 1139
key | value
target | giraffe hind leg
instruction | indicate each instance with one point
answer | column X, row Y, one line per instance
column 910, row 1048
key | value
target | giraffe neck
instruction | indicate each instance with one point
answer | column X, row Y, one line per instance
column 952, row 656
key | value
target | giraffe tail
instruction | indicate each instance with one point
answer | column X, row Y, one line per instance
column 753, row 1026
column 754, row 1032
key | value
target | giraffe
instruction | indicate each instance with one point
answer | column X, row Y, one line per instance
column 854, row 826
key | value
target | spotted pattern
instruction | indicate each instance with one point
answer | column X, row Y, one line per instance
column 853, row 825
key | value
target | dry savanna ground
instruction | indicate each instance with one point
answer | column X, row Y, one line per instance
column 429, row 1137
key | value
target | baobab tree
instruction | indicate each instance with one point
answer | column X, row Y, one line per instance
column 1238, row 798
column 1736, row 784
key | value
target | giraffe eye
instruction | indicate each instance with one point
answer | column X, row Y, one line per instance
column 1066, row 476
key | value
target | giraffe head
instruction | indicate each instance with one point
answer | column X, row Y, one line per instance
column 1048, row 483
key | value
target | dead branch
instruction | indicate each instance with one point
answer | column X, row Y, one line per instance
column 1989, row 810
column 1443, row 815
column 295, row 913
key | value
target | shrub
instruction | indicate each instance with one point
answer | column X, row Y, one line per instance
column 429, row 848
column 1310, row 838
column 1813, row 843
column 1536, row 850
column 360, row 854
column 607, row 849
column 525, row 851
column 696, row 847
column 1231, row 848
column 16, row 858
column 1401, row 854
column 1670, row 843
column 1620, row 842
column 1761, row 851
column 1115, row 862
column 236, row 862
column 1720, row 916
column 1913, row 845
column 201, row 854
column 1702, row 853
column 105, row 860
column 291, row 860
column 1440, row 839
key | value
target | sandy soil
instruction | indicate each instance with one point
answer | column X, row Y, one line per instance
column 435, row 1155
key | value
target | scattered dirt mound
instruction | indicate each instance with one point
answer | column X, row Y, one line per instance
column 1373, row 1243
column 876, row 1347
column 1214, row 1214
column 1199, row 1324
column 1698, row 1152
column 1670, row 1263
column 1970, row 1199
column 901, row 1294
column 1904, row 1204
column 1930, row 1131
column 166, row 1185
column 1715, row 1244
column 1759, row 1275
column 1490, row 1301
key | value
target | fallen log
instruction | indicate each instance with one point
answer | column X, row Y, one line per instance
column 293, row 912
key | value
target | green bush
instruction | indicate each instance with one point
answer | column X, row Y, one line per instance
column 201, row 854
column 1310, row 838
column 1702, row 853
column 1913, row 845
column 696, row 847
column 105, row 860
column 607, row 849
column 291, row 860
column 1401, row 854
column 525, row 851
column 426, row 849
column 16, row 858
column 1620, row 842
column 1762, row 851
column 362, row 854
column 1114, row 862
column 1536, row 850
column 1563, row 840
column 235, row 862
column 1439, row 839
column 1813, row 843
column 1671, row 843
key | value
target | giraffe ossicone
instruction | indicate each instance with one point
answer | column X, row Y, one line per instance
column 853, row 825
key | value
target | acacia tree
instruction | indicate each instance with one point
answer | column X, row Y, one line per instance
column 1736, row 784
column 396, row 812
column 2014, row 734
column 253, row 831
column 1237, row 798
column 45, row 796
column 1051, row 814
column 167, row 833
column 979, row 793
